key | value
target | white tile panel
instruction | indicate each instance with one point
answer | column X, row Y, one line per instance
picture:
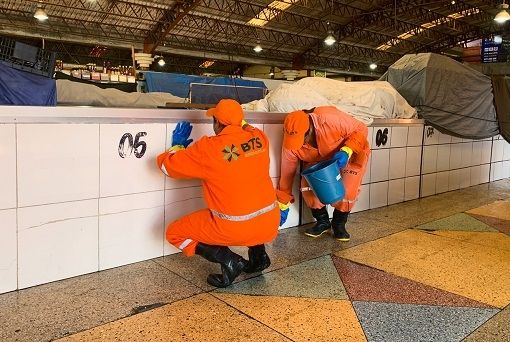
column 412, row 188
column 363, row 202
column 497, row 150
column 381, row 138
column 415, row 136
column 397, row 163
column 431, row 136
column 476, row 156
column 428, row 185
column 498, row 170
column 475, row 175
column 456, row 140
column 399, row 136
column 486, row 152
column 379, row 170
column 484, row 173
column 443, row 157
column 506, row 150
column 57, row 163
column 442, row 182
column 178, row 203
column 429, row 162
column 8, row 167
column 413, row 161
column 444, row 138
column 378, row 194
column 274, row 133
column 57, row 241
column 465, row 177
column 8, row 251
column 130, row 228
column 506, row 169
column 466, row 152
column 491, row 174
column 370, row 135
column 131, row 174
column 454, row 180
column 198, row 131
column 396, row 191
column 455, row 156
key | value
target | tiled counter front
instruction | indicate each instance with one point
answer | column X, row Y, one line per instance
column 81, row 191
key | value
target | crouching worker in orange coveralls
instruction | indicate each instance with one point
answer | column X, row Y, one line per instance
column 242, row 208
column 312, row 136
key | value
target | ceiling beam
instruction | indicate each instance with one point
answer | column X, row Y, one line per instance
column 167, row 22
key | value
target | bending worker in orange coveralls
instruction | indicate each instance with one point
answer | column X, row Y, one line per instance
column 320, row 134
column 242, row 208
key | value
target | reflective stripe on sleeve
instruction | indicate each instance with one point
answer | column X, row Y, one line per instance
column 164, row 170
column 185, row 244
column 244, row 217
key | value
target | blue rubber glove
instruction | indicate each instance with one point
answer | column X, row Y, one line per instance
column 181, row 134
column 283, row 216
column 342, row 157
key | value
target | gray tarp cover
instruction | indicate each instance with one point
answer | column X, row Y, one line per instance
column 450, row 96
column 501, row 87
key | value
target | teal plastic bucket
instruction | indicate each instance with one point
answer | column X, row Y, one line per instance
column 325, row 181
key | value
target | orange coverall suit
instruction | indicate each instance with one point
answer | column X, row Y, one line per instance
column 234, row 169
column 333, row 129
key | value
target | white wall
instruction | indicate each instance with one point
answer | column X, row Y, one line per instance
column 70, row 204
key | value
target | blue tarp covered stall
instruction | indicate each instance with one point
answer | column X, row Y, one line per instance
column 22, row 88
column 205, row 89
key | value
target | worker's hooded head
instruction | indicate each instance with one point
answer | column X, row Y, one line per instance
column 227, row 112
column 295, row 126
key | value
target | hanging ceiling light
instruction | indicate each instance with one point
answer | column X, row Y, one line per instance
column 257, row 47
column 330, row 39
column 498, row 39
column 373, row 66
column 161, row 62
column 503, row 15
column 40, row 14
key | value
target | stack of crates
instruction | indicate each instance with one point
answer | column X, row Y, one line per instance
column 26, row 57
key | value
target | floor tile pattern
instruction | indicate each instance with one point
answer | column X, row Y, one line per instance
column 460, row 221
column 440, row 262
column 365, row 283
column 447, row 280
column 409, row 322
column 316, row 278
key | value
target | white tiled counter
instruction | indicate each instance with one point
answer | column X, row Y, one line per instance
column 81, row 192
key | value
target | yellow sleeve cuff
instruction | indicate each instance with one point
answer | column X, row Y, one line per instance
column 347, row 149
column 176, row 148
column 283, row 206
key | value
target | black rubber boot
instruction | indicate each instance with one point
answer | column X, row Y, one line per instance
column 338, row 224
column 231, row 263
column 259, row 260
column 322, row 225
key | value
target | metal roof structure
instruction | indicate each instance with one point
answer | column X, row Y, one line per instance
column 291, row 32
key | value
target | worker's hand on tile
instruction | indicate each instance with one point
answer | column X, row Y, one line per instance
column 181, row 134
column 284, row 212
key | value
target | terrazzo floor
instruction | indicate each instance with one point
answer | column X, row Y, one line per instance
column 435, row 269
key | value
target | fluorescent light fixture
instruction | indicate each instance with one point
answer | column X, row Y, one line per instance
column 373, row 66
column 40, row 14
column 257, row 48
column 498, row 39
column 330, row 39
column 503, row 15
